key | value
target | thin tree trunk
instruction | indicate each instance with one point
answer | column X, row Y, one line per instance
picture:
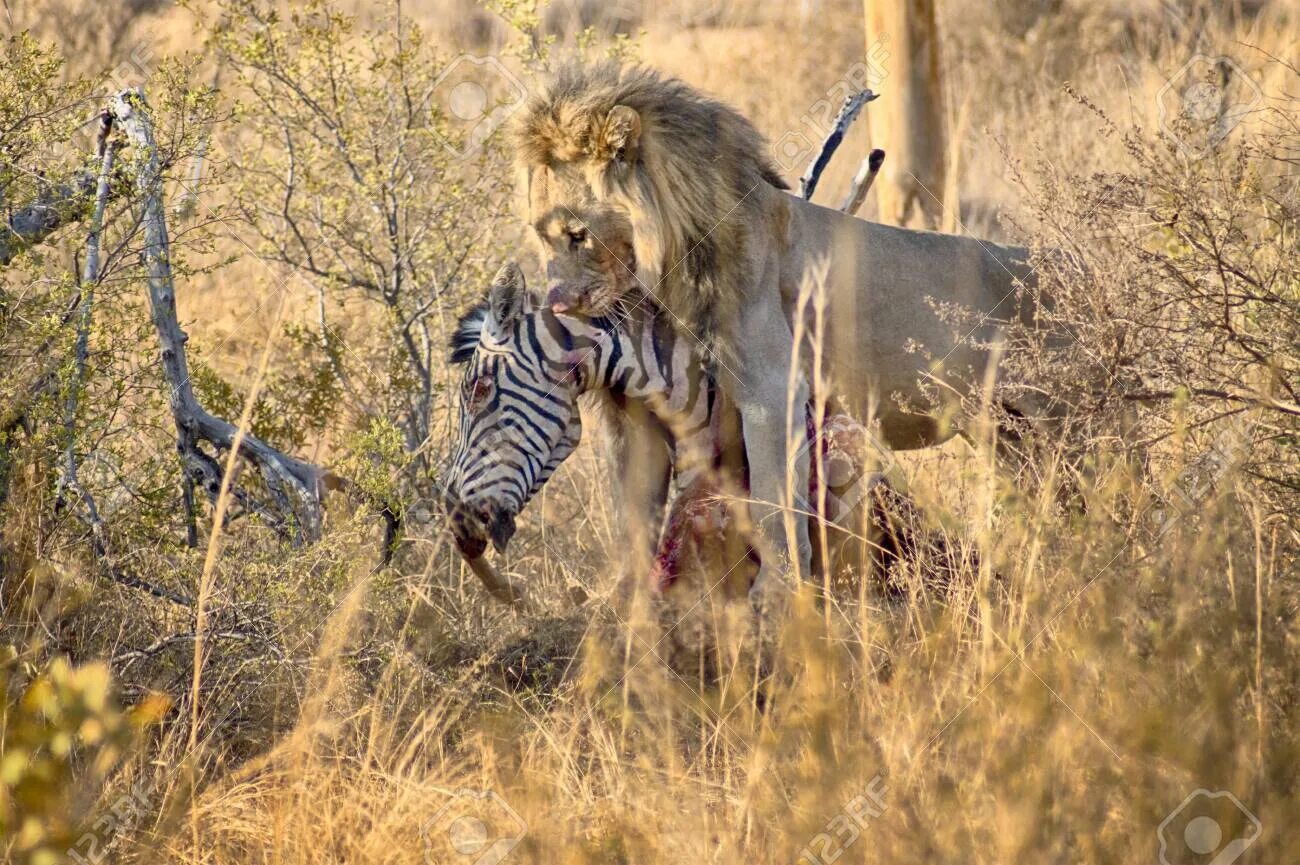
column 908, row 122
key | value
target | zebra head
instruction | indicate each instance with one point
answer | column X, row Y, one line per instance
column 519, row 415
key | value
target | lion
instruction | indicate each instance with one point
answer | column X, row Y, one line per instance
column 635, row 181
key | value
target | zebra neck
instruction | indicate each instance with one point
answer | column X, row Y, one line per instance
column 648, row 360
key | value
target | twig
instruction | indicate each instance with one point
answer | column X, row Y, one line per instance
column 848, row 113
column 127, row 658
column 99, row 546
column 131, row 581
column 190, row 195
column 191, row 523
column 862, row 181
column 1264, row 402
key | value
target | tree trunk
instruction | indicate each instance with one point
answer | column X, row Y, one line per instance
column 908, row 121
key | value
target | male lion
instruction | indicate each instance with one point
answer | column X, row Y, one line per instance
column 636, row 180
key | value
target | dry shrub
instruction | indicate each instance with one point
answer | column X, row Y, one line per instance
column 1178, row 295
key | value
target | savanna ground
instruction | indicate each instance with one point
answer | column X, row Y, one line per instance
column 1126, row 636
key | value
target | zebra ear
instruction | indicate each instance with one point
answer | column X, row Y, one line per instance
column 507, row 295
column 465, row 338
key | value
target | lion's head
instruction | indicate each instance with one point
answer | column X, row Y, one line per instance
column 588, row 254
column 635, row 181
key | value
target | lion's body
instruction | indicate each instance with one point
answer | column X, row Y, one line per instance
column 718, row 242
column 882, row 287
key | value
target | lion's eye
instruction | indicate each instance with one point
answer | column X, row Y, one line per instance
column 576, row 237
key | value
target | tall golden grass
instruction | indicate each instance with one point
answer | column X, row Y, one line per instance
column 1056, row 700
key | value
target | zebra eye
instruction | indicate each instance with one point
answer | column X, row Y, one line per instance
column 479, row 392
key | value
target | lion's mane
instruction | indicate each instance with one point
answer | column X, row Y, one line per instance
column 690, row 190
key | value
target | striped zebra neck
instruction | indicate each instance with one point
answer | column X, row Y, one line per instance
column 643, row 358
column 649, row 359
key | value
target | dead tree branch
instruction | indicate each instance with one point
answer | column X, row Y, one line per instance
column 69, row 480
column 295, row 486
column 848, row 113
column 862, row 181
column 90, row 276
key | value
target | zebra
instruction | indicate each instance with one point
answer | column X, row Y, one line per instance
column 525, row 367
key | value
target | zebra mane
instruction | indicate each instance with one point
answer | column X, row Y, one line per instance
column 465, row 338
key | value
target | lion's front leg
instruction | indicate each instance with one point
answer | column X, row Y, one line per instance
column 773, row 427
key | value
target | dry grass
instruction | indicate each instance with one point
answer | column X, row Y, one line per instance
column 1056, row 701
column 1059, row 703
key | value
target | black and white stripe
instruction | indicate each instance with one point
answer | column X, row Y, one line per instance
column 524, row 371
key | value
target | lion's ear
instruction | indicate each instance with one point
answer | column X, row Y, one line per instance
column 506, row 297
column 622, row 134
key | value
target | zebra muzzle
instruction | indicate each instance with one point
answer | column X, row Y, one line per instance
column 501, row 528
column 473, row 527
column 467, row 530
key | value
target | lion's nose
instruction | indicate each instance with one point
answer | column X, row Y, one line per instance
column 559, row 298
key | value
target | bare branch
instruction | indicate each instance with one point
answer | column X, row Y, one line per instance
column 296, row 486
column 848, row 113
column 862, row 181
